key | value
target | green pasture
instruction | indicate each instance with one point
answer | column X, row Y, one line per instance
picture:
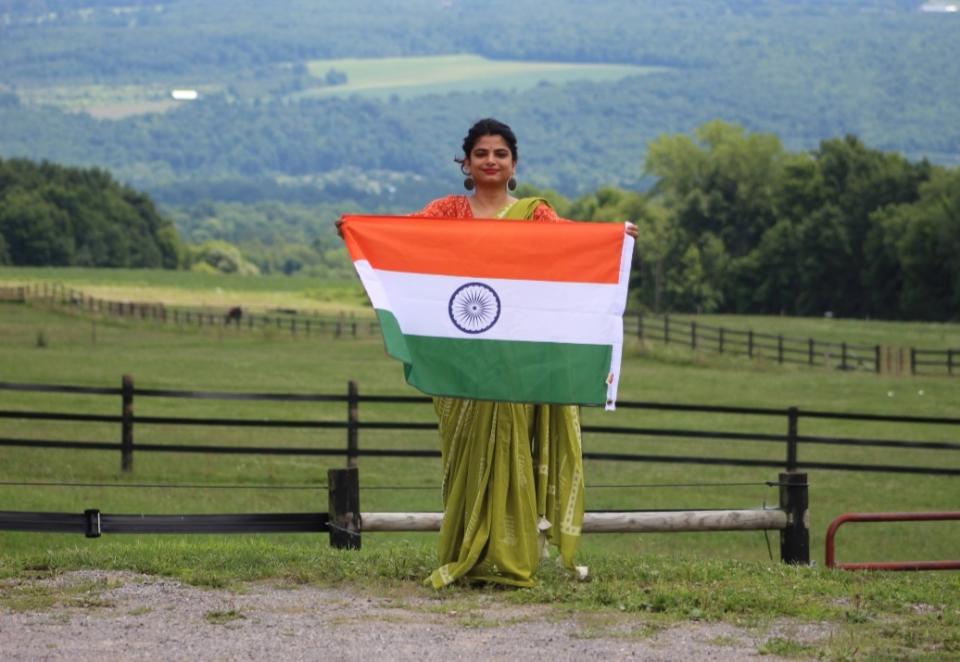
column 439, row 74
column 79, row 350
column 189, row 288
column 653, row 579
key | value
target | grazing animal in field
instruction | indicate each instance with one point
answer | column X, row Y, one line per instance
column 234, row 315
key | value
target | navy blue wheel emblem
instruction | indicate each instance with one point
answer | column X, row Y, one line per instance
column 474, row 307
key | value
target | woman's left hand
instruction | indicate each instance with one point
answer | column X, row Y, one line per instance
column 631, row 230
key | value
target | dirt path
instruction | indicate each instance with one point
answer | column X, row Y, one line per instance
column 94, row 615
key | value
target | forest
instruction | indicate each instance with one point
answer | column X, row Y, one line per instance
column 51, row 215
column 734, row 223
column 795, row 157
column 737, row 223
column 805, row 71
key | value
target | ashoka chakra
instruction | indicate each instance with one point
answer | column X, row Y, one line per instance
column 474, row 307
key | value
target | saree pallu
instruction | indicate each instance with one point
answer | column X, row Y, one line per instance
column 512, row 475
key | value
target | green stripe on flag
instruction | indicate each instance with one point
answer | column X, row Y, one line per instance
column 541, row 372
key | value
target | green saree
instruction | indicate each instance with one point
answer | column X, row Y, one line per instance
column 512, row 479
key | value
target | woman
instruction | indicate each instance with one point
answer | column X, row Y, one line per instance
column 512, row 473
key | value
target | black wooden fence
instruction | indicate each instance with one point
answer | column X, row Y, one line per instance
column 791, row 440
column 693, row 334
column 753, row 344
column 296, row 323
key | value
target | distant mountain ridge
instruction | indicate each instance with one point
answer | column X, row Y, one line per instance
column 880, row 69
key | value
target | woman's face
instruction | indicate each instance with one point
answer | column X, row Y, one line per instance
column 490, row 162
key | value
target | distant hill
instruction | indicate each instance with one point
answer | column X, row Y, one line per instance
column 271, row 124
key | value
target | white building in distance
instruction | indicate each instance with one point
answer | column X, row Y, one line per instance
column 940, row 7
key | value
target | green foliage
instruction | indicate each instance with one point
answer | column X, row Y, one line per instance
column 843, row 229
column 878, row 69
column 52, row 215
column 220, row 257
column 924, row 238
column 277, row 237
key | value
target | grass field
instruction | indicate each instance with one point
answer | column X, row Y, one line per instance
column 439, row 74
column 273, row 361
column 198, row 289
column 672, row 576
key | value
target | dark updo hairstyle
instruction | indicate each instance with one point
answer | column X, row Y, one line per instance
column 488, row 127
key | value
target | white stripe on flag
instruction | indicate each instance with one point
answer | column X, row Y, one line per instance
column 617, row 354
column 541, row 311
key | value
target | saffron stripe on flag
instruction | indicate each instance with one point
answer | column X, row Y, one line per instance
column 483, row 248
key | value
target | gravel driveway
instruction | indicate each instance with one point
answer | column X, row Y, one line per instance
column 96, row 615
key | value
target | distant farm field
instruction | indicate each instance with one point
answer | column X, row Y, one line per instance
column 86, row 350
column 414, row 76
column 402, row 77
column 110, row 102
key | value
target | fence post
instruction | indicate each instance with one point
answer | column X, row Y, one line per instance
column 640, row 326
column 750, row 343
column 877, row 358
column 353, row 423
column 666, row 329
column 126, row 426
column 810, row 351
column 843, row 356
column 343, row 507
column 780, row 349
column 720, row 341
column 950, row 362
column 913, row 360
column 792, row 416
column 693, row 335
column 794, row 500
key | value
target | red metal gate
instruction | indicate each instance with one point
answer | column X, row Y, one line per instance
column 888, row 517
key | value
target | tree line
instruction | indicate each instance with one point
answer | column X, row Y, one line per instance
column 54, row 215
column 735, row 222
column 879, row 69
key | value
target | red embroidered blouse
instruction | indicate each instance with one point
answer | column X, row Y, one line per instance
column 458, row 206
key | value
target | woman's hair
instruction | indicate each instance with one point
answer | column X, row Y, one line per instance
column 488, row 127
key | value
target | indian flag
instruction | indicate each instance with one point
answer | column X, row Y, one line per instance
column 498, row 309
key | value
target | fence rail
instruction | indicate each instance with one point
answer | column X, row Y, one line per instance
column 791, row 441
column 345, row 522
column 752, row 344
column 297, row 323
column 784, row 349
